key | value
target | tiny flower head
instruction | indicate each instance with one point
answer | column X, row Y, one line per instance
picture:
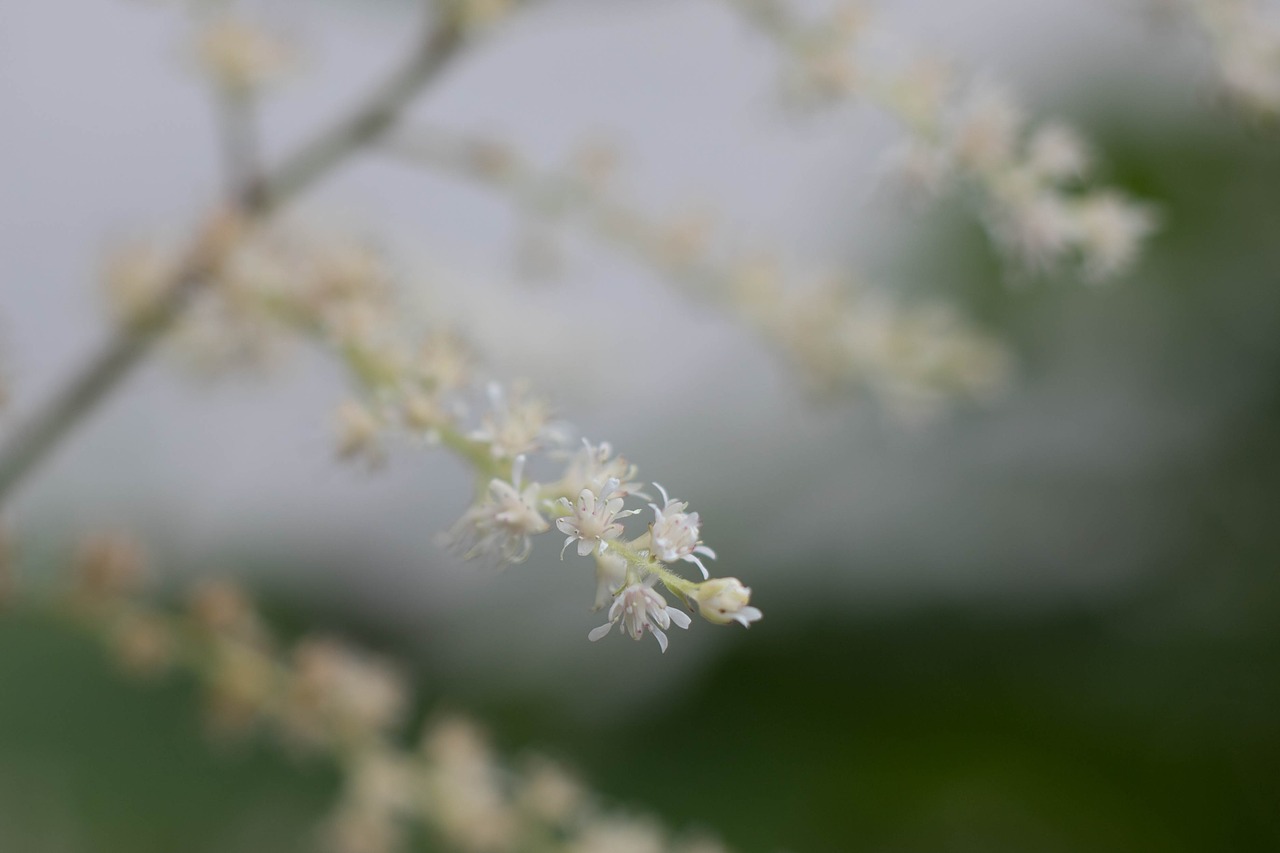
column 987, row 130
column 639, row 609
column 143, row 643
column 360, row 434
column 108, row 567
column 501, row 524
column 674, row 533
column 426, row 413
column 593, row 520
column 1112, row 228
column 345, row 688
column 516, row 423
column 444, row 362
column 594, row 465
column 1055, row 152
column 240, row 56
column 724, row 600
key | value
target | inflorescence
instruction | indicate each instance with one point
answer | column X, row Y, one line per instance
column 321, row 696
column 339, row 295
column 1029, row 181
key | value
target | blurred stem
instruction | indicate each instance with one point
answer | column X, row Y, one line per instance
column 32, row 441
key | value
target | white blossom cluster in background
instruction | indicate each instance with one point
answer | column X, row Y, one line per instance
column 1243, row 37
column 1030, row 180
column 340, row 295
column 321, row 696
column 837, row 335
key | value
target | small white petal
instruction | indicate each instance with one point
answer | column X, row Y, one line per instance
column 597, row 633
column 706, row 575
column 662, row 638
column 679, row 617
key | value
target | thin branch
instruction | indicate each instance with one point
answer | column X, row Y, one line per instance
column 35, row 439
column 369, row 121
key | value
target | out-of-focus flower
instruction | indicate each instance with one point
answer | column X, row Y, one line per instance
column 550, row 793
column 500, row 525
column 240, row 56
column 466, row 799
column 1056, row 152
column 516, row 423
column 142, row 643
column 1111, row 232
column 360, row 433
column 107, row 566
column 593, row 466
column 337, row 688
column 620, row 835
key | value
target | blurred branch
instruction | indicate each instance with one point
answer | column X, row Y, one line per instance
column 839, row 335
column 33, row 441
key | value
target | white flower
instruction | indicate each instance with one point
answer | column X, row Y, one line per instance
column 594, row 465
column 444, row 362
column 137, row 277
column 674, row 533
column 346, row 687
column 240, row 56
column 641, row 609
column 426, row 414
column 594, row 520
column 724, row 600
column 1249, row 62
column 918, row 167
column 516, row 423
column 360, row 433
column 619, row 835
column 1112, row 229
column 1056, row 153
column 1038, row 229
column 462, row 792
column 502, row 524
column 987, row 130
column 550, row 793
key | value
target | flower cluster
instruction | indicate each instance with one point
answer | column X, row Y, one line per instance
column 1030, row 180
column 837, row 335
column 1243, row 37
column 338, row 294
column 329, row 698
column 292, row 275
column 589, row 506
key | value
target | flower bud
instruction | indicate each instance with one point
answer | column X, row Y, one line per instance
column 724, row 600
